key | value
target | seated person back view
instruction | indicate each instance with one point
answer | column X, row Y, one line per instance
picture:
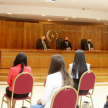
column 106, row 104
column 42, row 44
column 66, row 44
column 88, row 45
column 77, row 68
column 20, row 65
column 57, row 78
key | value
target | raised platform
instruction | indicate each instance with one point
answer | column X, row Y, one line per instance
column 40, row 74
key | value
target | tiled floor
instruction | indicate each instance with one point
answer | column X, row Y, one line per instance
column 99, row 96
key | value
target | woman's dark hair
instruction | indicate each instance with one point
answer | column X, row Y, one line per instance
column 21, row 58
column 79, row 63
column 57, row 64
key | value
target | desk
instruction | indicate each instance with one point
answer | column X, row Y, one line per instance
column 41, row 58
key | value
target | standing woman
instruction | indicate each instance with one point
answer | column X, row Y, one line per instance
column 20, row 65
column 77, row 68
column 57, row 78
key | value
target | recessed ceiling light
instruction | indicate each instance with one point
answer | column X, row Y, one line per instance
column 73, row 17
column 9, row 13
column 43, row 15
column 49, row 19
column 98, row 19
column 50, row 0
column 66, row 19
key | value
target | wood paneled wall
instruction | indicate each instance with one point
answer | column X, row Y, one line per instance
column 23, row 35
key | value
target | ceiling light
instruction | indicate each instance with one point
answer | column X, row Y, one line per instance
column 50, row 0
column 9, row 13
column 66, row 19
column 73, row 17
column 43, row 15
column 49, row 19
column 98, row 19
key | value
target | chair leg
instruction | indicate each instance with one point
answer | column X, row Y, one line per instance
column 80, row 101
column 30, row 102
column 23, row 103
column 9, row 103
column 92, row 101
column 2, row 102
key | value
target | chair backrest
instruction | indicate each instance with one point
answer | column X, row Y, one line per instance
column 37, row 42
column 23, row 83
column 87, row 81
column 66, row 97
column 82, row 42
column 58, row 43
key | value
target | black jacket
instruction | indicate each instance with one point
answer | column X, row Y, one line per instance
column 106, row 105
column 64, row 46
column 85, row 46
column 40, row 45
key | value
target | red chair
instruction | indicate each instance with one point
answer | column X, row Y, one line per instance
column 23, row 84
column 66, row 97
column 87, row 82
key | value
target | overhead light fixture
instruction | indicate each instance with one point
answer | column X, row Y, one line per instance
column 98, row 19
column 49, row 19
column 66, row 19
column 73, row 17
column 43, row 15
column 50, row 0
column 9, row 13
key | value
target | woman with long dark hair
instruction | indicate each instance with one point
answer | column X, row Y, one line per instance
column 19, row 66
column 77, row 68
column 57, row 78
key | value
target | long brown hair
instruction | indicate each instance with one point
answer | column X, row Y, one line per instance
column 57, row 64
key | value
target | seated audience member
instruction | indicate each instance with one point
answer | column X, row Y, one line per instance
column 106, row 104
column 88, row 45
column 66, row 44
column 57, row 78
column 77, row 68
column 42, row 44
column 20, row 65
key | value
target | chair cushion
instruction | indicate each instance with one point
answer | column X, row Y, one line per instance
column 84, row 94
column 16, row 98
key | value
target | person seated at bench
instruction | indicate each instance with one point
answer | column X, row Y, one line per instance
column 57, row 78
column 20, row 65
column 66, row 45
column 42, row 44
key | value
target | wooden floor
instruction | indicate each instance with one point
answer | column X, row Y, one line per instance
column 41, row 73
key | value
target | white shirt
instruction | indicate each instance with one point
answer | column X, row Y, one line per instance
column 53, row 83
column 88, row 68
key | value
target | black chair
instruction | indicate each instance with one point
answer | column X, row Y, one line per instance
column 83, row 41
column 37, row 42
column 58, row 43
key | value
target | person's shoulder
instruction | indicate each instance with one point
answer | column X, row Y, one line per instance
column 70, row 65
column 15, row 67
column 27, row 67
column 88, row 64
column 54, row 75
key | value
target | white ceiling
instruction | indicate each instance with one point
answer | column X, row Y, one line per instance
column 57, row 11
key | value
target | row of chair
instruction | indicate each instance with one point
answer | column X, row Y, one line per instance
column 66, row 97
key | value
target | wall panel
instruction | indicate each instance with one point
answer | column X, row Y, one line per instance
column 23, row 35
